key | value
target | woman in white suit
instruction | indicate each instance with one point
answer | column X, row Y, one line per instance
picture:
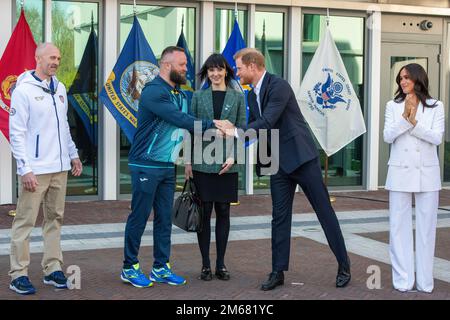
column 414, row 126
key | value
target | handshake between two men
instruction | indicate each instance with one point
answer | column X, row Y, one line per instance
column 225, row 128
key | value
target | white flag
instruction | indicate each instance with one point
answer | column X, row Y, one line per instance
column 327, row 99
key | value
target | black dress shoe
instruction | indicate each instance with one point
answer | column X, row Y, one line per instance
column 276, row 278
column 206, row 274
column 222, row 273
column 343, row 276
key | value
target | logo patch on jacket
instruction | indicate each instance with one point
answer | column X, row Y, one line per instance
column 39, row 98
column 12, row 112
column 61, row 98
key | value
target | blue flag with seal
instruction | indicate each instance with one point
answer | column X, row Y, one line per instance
column 82, row 94
column 234, row 44
column 135, row 67
column 188, row 88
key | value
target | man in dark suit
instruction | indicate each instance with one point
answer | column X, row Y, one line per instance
column 273, row 106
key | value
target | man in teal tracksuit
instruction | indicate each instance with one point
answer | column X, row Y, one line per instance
column 157, row 141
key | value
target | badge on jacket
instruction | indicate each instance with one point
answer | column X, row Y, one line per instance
column 61, row 98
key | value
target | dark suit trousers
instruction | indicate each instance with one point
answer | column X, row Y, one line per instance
column 282, row 186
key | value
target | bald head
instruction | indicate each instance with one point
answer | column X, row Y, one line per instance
column 48, row 58
column 42, row 48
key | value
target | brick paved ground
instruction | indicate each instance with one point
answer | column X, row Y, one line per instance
column 248, row 261
column 442, row 240
column 312, row 267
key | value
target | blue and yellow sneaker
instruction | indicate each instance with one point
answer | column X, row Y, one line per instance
column 136, row 277
column 165, row 275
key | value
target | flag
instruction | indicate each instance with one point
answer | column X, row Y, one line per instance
column 82, row 94
column 188, row 88
column 234, row 44
column 265, row 50
column 328, row 101
column 135, row 67
column 17, row 58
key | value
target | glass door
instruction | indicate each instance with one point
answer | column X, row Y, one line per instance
column 393, row 57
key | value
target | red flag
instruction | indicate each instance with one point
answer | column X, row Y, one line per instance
column 17, row 58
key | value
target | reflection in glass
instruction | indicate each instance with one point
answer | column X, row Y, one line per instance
column 74, row 32
column 169, row 21
column 34, row 12
column 269, row 30
column 345, row 167
column 224, row 25
column 269, row 39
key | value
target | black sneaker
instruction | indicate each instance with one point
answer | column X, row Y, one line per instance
column 56, row 279
column 22, row 285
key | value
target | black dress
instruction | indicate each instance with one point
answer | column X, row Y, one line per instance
column 212, row 186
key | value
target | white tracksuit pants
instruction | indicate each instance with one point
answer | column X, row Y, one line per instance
column 402, row 243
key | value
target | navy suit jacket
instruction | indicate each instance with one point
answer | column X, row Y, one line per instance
column 281, row 111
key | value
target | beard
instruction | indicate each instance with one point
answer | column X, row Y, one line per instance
column 177, row 78
column 243, row 81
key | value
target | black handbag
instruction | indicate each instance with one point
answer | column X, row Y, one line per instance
column 187, row 212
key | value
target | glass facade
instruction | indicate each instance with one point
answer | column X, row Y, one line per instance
column 269, row 39
column 75, row 33
column 166, row 35
column 345, row 166
column 224, row 25
column 71, row 22
column 34, row 12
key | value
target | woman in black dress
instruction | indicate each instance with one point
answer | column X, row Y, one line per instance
column 217, row 183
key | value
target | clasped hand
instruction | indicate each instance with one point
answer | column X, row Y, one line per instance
column 224, row 128
column 411, row 105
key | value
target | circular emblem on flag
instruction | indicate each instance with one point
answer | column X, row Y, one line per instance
column 8, row 86
column 133, row 80
column 329, row 93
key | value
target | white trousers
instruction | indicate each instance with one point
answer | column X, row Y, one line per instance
column 401, row 247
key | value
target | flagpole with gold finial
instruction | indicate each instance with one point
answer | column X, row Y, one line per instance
column 332, row 198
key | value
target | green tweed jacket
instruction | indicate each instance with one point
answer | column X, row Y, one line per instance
column 233, row 110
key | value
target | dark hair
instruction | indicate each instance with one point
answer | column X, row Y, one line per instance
column 170, row 50
column 418, row 75
column 216, row 60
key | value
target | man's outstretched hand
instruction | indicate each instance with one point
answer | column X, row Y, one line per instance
column 226, row 127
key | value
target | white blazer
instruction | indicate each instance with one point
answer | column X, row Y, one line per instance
column 413, row 162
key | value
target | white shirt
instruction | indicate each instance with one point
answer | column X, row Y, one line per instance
column 257, row 90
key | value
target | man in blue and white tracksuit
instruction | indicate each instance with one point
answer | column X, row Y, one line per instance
column 44, row 150
column 157, row 141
